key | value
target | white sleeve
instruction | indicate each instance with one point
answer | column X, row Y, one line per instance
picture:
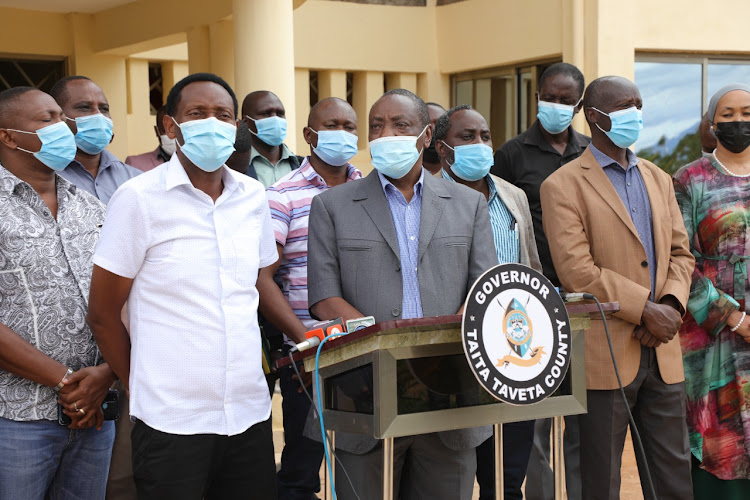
column 267, row 251
column 125, row 235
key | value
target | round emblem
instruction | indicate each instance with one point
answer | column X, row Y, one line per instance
column 516, row 334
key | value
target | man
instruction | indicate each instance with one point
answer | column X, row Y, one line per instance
column 163, row 152
column 464, row 145
column 240, row 159
column 526, row 161
column 377, row 247
column 183, row 244
column 707, row 138
column 331, row 132
column 615, row 231
column 48, row 230
column 265, row 117
column 86, row 109
column 430, row 160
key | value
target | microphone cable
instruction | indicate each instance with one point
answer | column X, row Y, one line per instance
column 636, row 435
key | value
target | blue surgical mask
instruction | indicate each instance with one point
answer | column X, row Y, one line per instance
column 58, row 145
column 271, row 130
column 208, row 142
column 94, row 133
column 625, row 128
column 395, row 155
column 472, row 162
column 335, row 147
column 555, row 117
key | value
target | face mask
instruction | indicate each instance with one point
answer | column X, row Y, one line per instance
column 472, row 162
column 735, row 136
column 555, row 117
column 430, row 154
column 271, row 130
column 626, row 126
column 208, row 142
column 394, row 156
column 58, row 145
column 335, row 147
column 94, row 133
column 167, row 144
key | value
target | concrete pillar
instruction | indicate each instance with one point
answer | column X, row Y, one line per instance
column 573, row 23
column 406, row 81
column 221, row 39
column 171, row 73
column 264, row 53
column 302, row 107
column 199, row 49
column 434, row 86
column 331, row 83
column 140, row 124
column 368, row 87
column 107, row 71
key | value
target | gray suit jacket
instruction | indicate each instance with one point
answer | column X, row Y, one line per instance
column 353, row 253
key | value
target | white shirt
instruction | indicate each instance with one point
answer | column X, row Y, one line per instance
column 195, row 361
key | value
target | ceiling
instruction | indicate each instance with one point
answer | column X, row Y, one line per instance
column 64, row 6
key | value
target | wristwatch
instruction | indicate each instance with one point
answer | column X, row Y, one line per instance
column 61, row 384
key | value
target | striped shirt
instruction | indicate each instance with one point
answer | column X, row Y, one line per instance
column 406, row 218
column 504, row 226
column 289, row 200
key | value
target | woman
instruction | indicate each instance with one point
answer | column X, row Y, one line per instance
column 714, row 197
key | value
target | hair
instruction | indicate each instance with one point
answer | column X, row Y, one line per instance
column 566, row 69
column 251, row 97
column 242, row 141
column 592, row 98
column 9, row 107
column 321, row 103
column 173, row 99
column 443, row 124
column 59, row 90
column 422, row 113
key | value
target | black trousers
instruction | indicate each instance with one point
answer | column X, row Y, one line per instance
column 518, row 438
column 204, row 466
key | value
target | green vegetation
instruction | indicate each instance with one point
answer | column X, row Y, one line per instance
column 686, row 151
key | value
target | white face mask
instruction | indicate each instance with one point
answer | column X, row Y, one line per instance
column 167, row 144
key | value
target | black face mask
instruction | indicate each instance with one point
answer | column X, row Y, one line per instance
column 735, row 136
column 430, row 154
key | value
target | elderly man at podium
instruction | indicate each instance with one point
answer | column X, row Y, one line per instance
column 400, row 244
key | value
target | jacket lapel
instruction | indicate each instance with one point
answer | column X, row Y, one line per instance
column 373, row 200
column 434, row 198
column 594, row 174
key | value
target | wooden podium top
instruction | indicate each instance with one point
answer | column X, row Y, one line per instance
column 584, row 308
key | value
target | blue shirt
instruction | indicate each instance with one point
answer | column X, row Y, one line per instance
column 632, row 191
column 112, row 172
column 406, row 218
column 504, row 226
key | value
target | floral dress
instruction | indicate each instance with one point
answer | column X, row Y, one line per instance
column 716, row 209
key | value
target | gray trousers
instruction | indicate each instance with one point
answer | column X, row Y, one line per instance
column 423, row 468
column 540, row 482
column 659, row 413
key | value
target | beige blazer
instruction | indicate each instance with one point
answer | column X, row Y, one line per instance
column 596, row 249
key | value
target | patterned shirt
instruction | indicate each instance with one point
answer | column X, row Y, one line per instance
column 632, row 191
column 112, row 172
column 45, row 273
column 504, row 226
column 406, row 217
column 289, row 200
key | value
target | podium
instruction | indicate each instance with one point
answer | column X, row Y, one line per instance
column 407, row 377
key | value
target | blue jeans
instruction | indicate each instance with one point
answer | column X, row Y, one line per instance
column 44, row 460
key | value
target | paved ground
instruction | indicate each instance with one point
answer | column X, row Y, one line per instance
column 631, row 486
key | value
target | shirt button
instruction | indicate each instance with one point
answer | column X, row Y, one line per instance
column 628, row 184
column 395, row 312
column 411, row 238
column 633, row 209
column 644, row 264
column 398, row 269
column 45, row 213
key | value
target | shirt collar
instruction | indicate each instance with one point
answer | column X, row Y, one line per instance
column 385, row 183
column 106, row 160
column 534, row 137
column 487, row 178
column 285, row 153
column 12, row 182
column 177, row 176
column 313, row 177
column 605, row 161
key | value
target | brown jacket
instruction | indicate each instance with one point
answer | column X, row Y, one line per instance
column 596, row 249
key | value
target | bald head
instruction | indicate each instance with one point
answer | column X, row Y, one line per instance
column 11, row 105
column 603, row 93
column 262, row 104
column 331, row 107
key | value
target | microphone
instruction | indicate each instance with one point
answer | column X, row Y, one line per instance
column 575, row 297
column 311, row 342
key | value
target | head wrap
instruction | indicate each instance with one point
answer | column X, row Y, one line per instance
column 712, row 105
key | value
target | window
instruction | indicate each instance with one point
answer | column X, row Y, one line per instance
column 504, row 96
column 155, row 87
column 675, row 92
column 38, row 73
